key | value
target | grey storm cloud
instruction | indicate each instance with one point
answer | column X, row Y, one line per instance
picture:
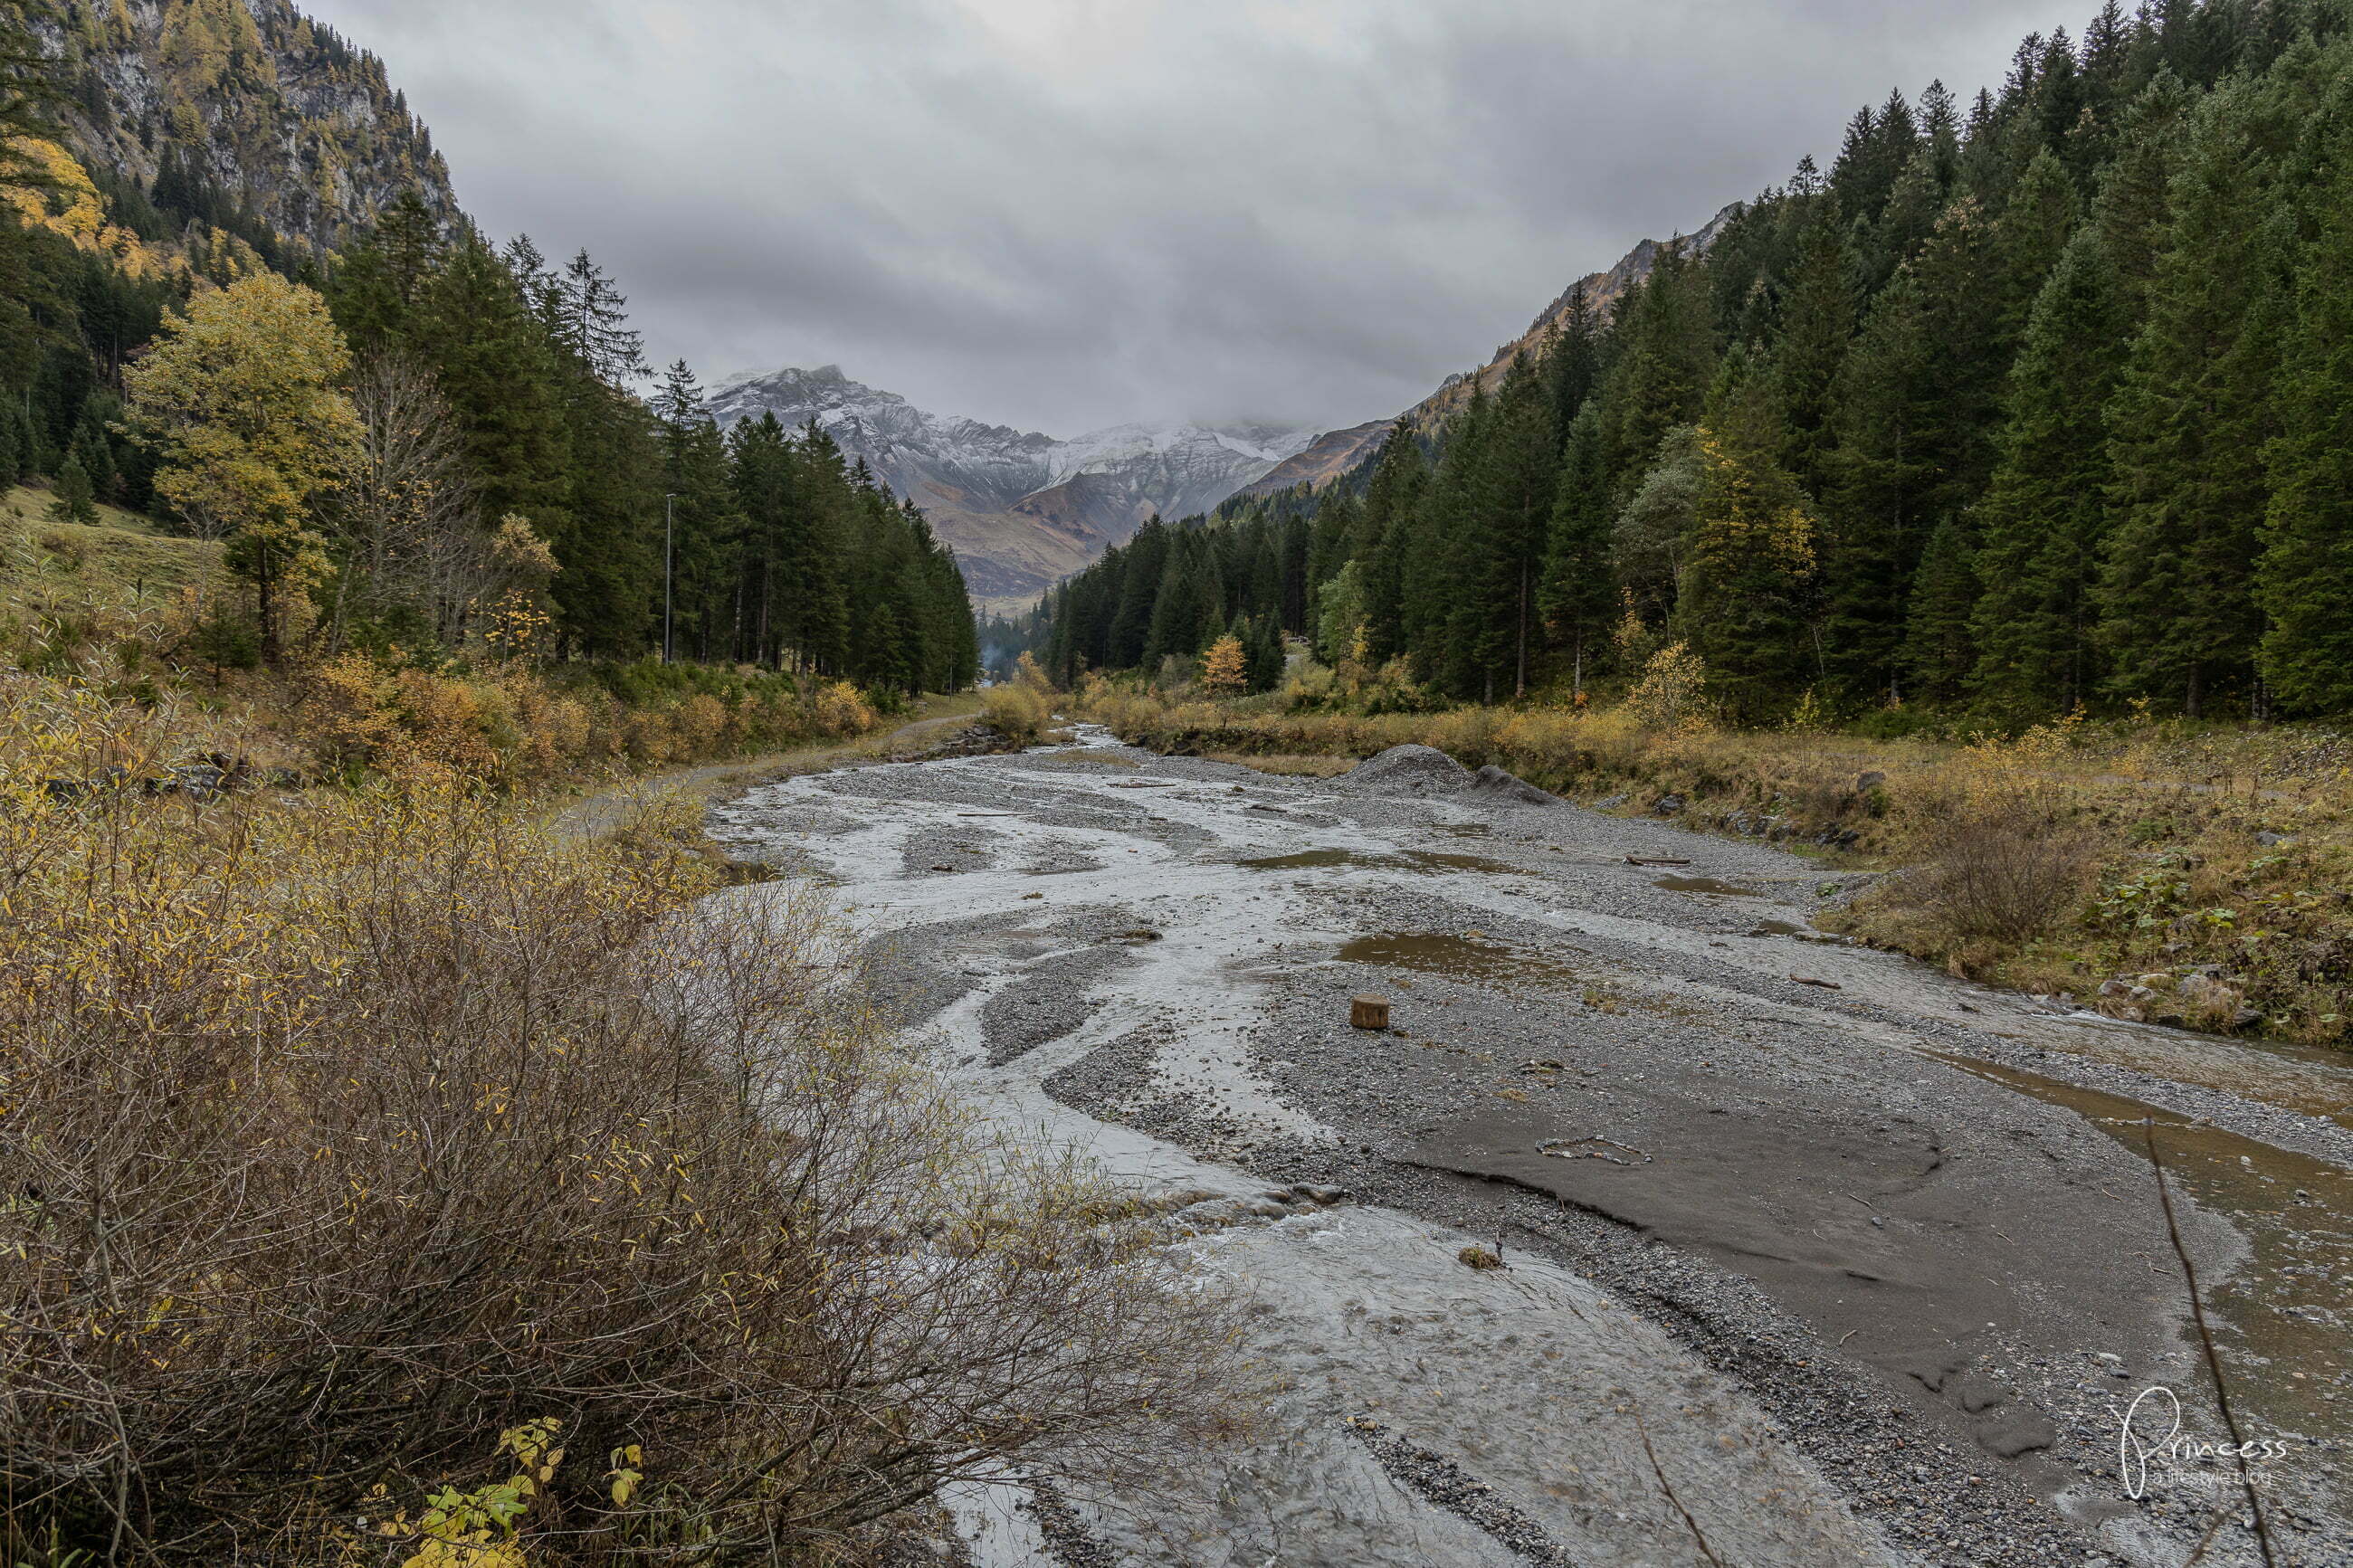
column 1067, row 214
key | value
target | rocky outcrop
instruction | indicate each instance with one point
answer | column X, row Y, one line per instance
column 240, row 115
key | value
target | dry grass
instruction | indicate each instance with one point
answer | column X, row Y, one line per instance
column 362, row 1147
column 122, row 562
column 1305, row 766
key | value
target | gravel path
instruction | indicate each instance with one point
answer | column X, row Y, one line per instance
column 1809, row 1254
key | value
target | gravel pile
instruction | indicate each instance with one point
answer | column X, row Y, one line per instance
column 1409, row 770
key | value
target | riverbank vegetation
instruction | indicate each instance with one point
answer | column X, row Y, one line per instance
column 1975, row 505
column 2152, row 868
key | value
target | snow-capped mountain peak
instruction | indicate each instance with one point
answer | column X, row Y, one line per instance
column 1022, row 510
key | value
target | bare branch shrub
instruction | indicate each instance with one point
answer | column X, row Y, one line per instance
column 341, row 1134
column 2000, row 852
column 409, row 518
column 2004, row 873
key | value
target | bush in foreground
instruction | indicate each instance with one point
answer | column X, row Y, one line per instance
column 358, row 1149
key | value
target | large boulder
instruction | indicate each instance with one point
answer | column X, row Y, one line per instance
column 1409, row 770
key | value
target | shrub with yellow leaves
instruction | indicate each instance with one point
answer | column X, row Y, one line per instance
column 341, row 1130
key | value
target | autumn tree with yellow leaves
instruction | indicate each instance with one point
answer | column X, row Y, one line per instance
column 1224, row 669
column 242, row 397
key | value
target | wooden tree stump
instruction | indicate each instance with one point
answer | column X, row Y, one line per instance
column 1369, row 1013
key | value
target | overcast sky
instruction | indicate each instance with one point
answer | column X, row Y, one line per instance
column 1067, row 214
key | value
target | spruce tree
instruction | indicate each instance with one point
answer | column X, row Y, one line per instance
column 1817, row 331
column 1523, row 459
column 1452, row 554
column 2178, row 621
column 1579, row 590
column 1881, row 504
column 1665, row 362
column 73, row 502
column 2305, row 580
column 1742, row 604
column 1385, row 532
column 2046, row 516
column 1939, row 651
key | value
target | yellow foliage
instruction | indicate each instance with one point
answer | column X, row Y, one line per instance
column 1019, row 712
column 841, row 710
column 1224, row 667
column 69, row 204
column 1750, row 517
column 1672, row 692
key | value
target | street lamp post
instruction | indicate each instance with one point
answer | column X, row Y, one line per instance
column 670, row 534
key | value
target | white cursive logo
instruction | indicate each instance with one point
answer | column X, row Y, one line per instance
column 2142, row 1441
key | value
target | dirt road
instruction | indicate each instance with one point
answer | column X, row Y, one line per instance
column 1872, row 1259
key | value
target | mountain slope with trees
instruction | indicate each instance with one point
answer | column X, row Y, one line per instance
column 2028, row 402
column 408, row 442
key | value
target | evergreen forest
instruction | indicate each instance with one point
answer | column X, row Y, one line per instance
column 2037, row 402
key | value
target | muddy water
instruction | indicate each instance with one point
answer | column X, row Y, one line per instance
column 1462, row 958
column 2284, row 1317
column 1705, row 885
column 2312, row 1079
column 1423, row 860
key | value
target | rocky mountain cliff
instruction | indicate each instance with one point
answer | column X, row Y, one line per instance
column 1021, row 509
column 1332, row 454
column 203, row 119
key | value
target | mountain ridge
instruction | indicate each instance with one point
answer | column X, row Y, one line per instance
column 1022, row 510
column 1331, row 455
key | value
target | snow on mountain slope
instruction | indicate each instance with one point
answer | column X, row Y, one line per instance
column 1021, row 509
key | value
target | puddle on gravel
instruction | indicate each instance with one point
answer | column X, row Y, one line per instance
column 1705, row 885
column 2312, row 1081
column 2288, row 1308
column 1460, row 958
column 1422, row 860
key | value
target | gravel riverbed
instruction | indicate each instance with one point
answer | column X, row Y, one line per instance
column 1810, row 1254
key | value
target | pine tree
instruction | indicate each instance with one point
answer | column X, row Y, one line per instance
column 1385, row 525
column 1523, row 459
column 1579, row 588
column 2046, row 516
column 1263, row 654
column 2304, row 581
column 1666, row 360
column 1881, row 505
column 2178, row 621
column 2133, row 208
column 1441, row 600
column 1938, row 650
column 1741, row 605
column 590, row 319
column 1817, row 330
column 73, row 502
